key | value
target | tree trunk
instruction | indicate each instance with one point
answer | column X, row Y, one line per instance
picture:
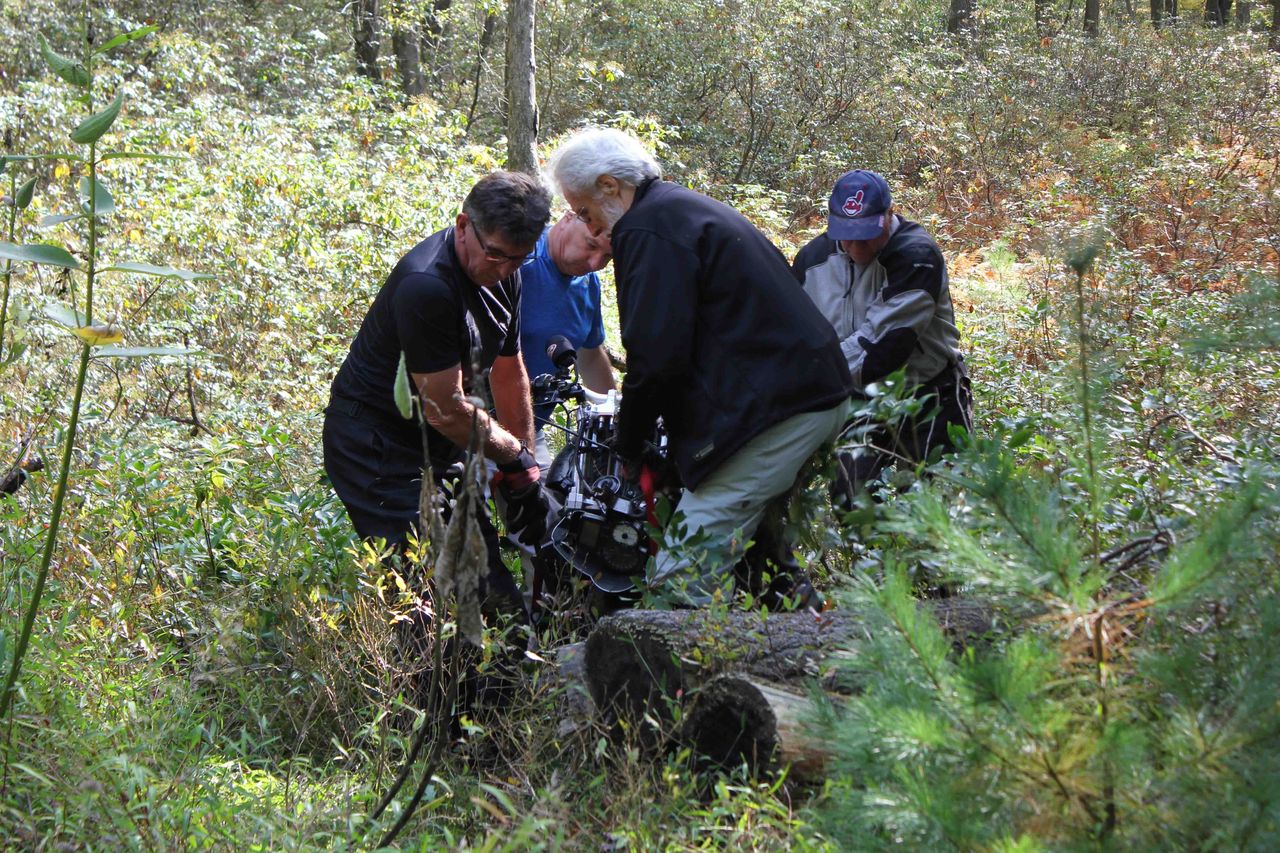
column 1217, row 12
column 482, row 50
column 1091, row 17
column 522, row 109
column 364, row 32
column 1157, row 13
column 432, row 26
column 432, row 31
column 1275, row 25
column 960, row 16
column 1040, row 9
column 408, row 48
column 637, row 660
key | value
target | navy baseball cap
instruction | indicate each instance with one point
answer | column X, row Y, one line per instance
column 857, row 206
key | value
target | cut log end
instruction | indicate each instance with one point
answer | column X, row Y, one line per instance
column 737, row 721
column 731, row 723
column 629, row 671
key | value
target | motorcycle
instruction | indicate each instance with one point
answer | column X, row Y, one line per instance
column 601, row 527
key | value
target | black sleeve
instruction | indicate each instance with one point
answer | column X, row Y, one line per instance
column 887, row 354
column 426, row 317
column 899, row 315
column 657, row 304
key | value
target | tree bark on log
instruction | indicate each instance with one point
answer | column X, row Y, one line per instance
column 638, row 661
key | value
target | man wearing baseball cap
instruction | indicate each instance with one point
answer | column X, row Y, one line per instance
column 882, row 283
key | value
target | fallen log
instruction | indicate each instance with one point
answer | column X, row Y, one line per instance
column 635, row 656
column 741, row 677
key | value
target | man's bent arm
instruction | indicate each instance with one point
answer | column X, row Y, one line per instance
column 512, row 399
column 898, row 316
column 448, row 412
column 595, row 369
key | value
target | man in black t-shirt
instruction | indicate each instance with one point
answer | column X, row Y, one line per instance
column 452, row 306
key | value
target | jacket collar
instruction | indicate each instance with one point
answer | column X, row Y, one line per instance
column 642, row 189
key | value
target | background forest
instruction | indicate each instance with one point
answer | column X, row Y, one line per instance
column 207, row 657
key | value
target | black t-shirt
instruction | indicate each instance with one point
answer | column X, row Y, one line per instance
column 439, row 318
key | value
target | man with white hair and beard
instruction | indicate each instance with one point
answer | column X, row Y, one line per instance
column 748, row 379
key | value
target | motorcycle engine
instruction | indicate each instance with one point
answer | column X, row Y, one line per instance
column 602, row 528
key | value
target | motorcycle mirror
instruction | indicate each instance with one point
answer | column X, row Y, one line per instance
column 561, row 352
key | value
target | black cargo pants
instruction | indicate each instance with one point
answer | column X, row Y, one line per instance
column 376, row 469
column 947, row 399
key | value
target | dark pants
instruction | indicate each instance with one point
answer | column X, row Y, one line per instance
column 376, row 469
column 947, row 399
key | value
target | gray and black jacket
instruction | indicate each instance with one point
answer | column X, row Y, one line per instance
column 893, row 312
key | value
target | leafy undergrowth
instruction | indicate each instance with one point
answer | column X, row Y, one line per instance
column 211, row 668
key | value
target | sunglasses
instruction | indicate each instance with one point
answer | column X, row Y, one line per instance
column 491, row 254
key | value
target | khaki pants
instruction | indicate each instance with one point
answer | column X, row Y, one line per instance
column 721, row 516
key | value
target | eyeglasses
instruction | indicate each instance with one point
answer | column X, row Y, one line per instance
column 582, row 215
column 494, row 255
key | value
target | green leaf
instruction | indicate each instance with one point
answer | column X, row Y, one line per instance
column 125, row 38
column 68, row 69
column 4, row 164
column 13, row 353
column 404, row 398
column 25, row 192
column 162, row 272
column 38, row 253
column 34, row 774
column 104, row 203
column 92, row 128
column 144, row 352
column 61, row 155
column 63, row 315
column 57, row 219
column 142, row 155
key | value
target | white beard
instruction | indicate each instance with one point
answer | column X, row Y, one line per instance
column 611, row 210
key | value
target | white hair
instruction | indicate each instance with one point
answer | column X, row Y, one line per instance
column 598, row 151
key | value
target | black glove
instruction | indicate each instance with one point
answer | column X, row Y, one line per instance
column 527, row 506
column 519, row 472
column 650, row 456
column 526, row 512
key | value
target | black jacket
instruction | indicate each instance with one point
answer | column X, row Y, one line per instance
column 720, row 342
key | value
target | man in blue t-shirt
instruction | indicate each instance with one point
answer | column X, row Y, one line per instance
column 561, row 296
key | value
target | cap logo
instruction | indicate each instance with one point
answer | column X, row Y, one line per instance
column 853, row 204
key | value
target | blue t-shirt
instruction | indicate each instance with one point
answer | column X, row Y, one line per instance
column 552, row 303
